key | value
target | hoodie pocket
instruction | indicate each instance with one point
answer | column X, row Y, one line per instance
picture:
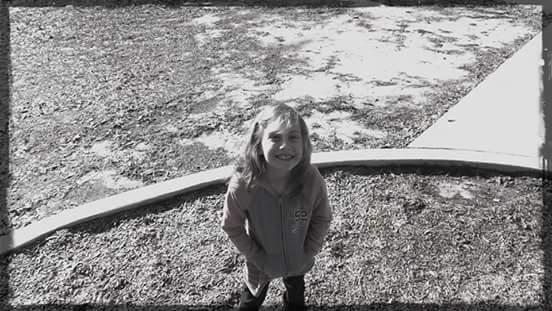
column 300, row 263
column 270, row 264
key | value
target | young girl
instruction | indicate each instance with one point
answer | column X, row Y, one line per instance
column 276, row 208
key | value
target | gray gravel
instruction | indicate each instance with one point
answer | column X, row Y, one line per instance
column 449, row 237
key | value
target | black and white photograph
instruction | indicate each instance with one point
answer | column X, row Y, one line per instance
column 173, row 155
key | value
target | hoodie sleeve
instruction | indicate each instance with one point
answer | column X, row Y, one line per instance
column 321, row 216
column 234, row 216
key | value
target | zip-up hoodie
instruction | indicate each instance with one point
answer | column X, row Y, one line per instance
column 278, row 235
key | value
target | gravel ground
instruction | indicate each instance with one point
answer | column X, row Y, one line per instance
column 403, row 235
column 111, row 99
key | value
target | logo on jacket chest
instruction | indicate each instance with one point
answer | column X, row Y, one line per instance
column 300, row 217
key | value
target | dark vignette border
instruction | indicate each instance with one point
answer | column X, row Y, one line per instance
column 4, row 136
column 545, row 152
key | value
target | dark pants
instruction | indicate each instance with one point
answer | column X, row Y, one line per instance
column 294, row 297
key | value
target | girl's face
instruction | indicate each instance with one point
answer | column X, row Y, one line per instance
column 282, row 147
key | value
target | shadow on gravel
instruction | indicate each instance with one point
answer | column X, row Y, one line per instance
column 4, row 137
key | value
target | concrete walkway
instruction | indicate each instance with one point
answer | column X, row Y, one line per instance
column 502, row 114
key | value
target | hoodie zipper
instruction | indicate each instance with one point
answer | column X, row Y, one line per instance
column 282, row 218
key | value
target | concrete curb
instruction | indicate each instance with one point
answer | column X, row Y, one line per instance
column 160, row 191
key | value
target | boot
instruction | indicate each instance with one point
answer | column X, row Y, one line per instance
column 292, row 307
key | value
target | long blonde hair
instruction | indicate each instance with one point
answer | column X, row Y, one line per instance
column 251, row 163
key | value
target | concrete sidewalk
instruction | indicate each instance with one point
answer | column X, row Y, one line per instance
column 502, row 114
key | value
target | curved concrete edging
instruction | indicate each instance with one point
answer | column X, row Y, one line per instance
column 160, row 191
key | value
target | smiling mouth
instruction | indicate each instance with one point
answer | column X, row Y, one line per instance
column 284, row 157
